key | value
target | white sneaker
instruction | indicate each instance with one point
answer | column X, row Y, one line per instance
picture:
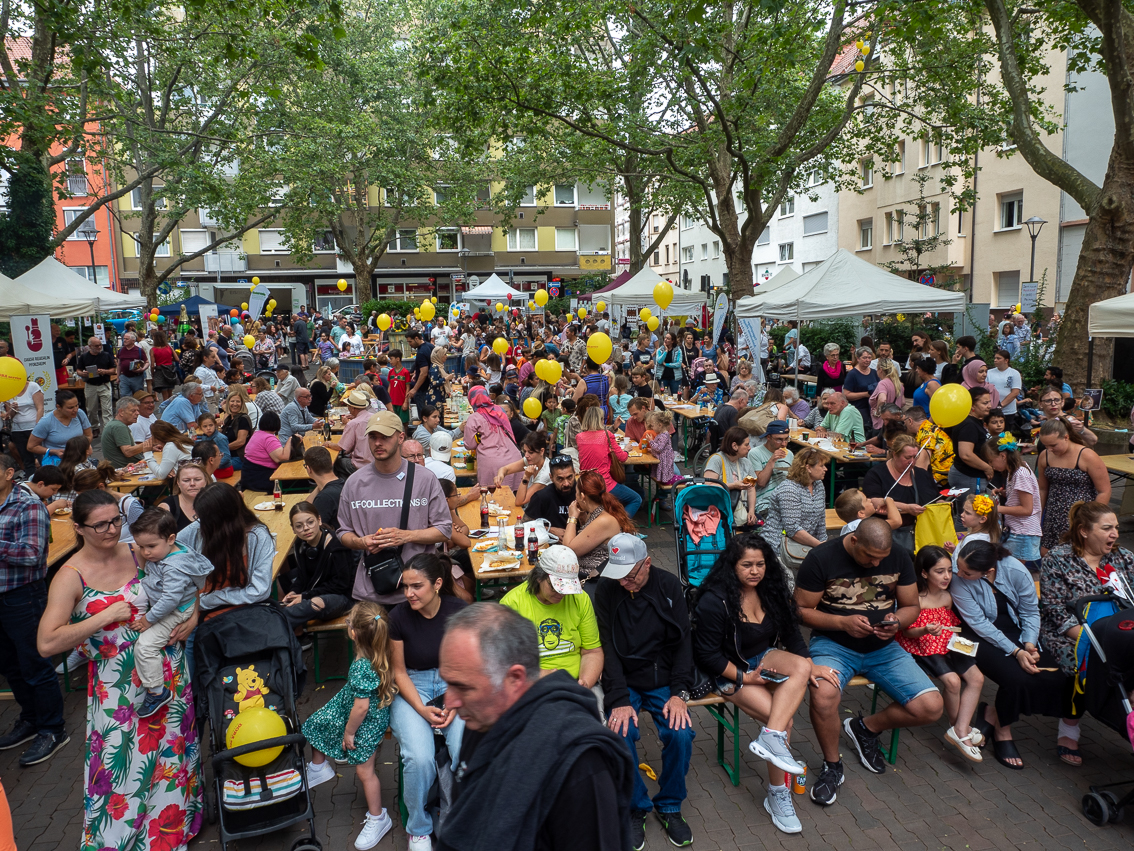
column 420, row 843
column 779, row 805
column 772, row 746
column 373, row 829
column 319, row 773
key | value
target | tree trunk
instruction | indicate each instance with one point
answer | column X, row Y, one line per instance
column 637, row 258
column 1103, row 272
column 363, row 277
column 147, row 275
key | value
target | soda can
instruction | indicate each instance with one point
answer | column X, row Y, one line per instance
column 799, row 785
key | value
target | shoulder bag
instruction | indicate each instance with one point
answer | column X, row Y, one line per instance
column 384, row 568
column 756, row 421
column 617, row 468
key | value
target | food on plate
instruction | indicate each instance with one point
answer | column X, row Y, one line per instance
column 502, row 562
column 484, row 546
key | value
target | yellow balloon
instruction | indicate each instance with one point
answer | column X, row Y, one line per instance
column 384, row 321
column 499, row 307
column 428, row 311
column 600, row 306
column 541, row 297
column 272, row 304
column 582, row 313
column 532, row 408
column 249, row 341
column 644, row 314
column 416, row 313
column 860, row 66
column 950, row 405
column 433, row 300
column 254, row 725
column 244, row 306
column 500, row 346
column 866, row 50
column 553, row 371
column 255, row 281
column 599, row 347
column 13, row 378
column 663, row 294
column 652, row 323
column 342, row 285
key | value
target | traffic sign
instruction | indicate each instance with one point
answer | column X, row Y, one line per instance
column 928, row 279
column 553, row 291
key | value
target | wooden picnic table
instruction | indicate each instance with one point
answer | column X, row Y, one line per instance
column 470, row 514
column 1122, row 467
column 294, row 471
column 803, row 438
column 137, row 480
column 278, row 523
column 64, row 540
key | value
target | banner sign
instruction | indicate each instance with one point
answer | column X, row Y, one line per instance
column 31, row 343
column 750, row 339
column 720, row 313
column 257, row 298
column 210, row 321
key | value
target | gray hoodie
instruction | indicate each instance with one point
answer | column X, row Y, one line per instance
column 174, row 581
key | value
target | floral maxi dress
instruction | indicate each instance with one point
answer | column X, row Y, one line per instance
column 142, row 789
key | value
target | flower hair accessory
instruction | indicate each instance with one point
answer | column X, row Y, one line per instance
column 1006, row 443
column 982, row 505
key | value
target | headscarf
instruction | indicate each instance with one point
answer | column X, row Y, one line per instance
column 527, row 369
column 969, row 376
column 440, row 353
column 478, row 398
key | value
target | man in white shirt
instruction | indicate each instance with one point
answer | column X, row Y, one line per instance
column 883, row 351
column 140, row 430
column 439, row 332
column 1008, row 384
column 440, row 453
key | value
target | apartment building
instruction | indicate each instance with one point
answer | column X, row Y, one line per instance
column 664, row 259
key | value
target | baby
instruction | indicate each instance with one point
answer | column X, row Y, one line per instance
column 174, row 576
column 853, row 507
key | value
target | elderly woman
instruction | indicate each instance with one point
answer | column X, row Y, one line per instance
column 815, row 418
column 743, row 374
column 832, row 371
column 909, row 485
column 1070, row 572
column 489, row 431
column 797, row 405
column 798, row 509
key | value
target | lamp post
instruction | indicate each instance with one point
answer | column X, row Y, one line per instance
column 90, row 235
column 1034, row 225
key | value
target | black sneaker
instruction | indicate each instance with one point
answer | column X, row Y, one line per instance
column 154, row 702
column 638, row 829
column 866, row 743
column 826, row 786
column 676, row 828
column 43, row 748
column 22, row 732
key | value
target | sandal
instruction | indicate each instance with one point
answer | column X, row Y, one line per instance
column 1067, row 755
column 1005, row 750
column 982, row 726
column 965, row 745
column 977, row 737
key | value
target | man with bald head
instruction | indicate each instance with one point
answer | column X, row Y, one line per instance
column 842, row 418
column 414, row 452
column 855, row 593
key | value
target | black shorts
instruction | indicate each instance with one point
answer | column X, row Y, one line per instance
column 945, row 663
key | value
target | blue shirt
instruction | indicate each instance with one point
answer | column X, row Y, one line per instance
column 181, row 412
column 55, row 435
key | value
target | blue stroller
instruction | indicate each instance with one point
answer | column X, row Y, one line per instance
column 697, row 557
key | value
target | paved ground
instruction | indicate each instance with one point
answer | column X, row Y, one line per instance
column 931, row 798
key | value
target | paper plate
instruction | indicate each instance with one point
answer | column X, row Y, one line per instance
column 264, row 506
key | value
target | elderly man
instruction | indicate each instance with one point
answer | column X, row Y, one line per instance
column 118, row 444
column 374, row 514
column 727, row 413
column 647, row 667
column 1023, row 332
column 131, row 365
column 536, row 768
column 296, row 419
column 414, row 452
column 97, row 368
column 286, row 383
column 354, row 438
column 771, row 460
column 147, row 401
column 184, row 409
column 842, row 418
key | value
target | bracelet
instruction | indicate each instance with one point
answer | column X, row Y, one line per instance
column 572, row 519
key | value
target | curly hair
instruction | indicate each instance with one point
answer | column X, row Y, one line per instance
column 775, row 597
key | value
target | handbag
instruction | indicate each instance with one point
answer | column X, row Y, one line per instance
column 617, row 468
column 756, row 421
column 792, row 553
column 384, row 568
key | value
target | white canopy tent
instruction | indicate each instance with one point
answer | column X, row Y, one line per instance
column 639, row 292
column 1113, row 317
column 844, row 285
column 17, row 299
column 65, row 285
column 494, row 289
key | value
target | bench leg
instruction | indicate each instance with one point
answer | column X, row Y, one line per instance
column 733, row 726
column 891, row 753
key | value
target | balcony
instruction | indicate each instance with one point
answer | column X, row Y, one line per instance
column 226, row 261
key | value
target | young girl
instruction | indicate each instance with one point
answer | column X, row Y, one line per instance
column 927, row 640
column 661, row 446
column 1021, row 499
column 619, row 398
column 207, row 430
column 352, row 724
column 981, row 521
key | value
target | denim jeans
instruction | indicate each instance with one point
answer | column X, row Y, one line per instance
column 673, row 386
column 334, row 606
column 416, row 739
column 890, row 666
column 30, row 676
column 128, row 385
column 630, row 499
column 677, row 748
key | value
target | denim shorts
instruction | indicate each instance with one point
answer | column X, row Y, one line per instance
column 1024, row 547
column 727, row 686
column 890, row 667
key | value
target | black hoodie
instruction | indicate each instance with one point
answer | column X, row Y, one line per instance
column 327, row 569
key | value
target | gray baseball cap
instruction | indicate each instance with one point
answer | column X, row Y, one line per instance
column 625, row 550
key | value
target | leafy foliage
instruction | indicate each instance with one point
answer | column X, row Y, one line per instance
column 841, row 331
column 1118, row 399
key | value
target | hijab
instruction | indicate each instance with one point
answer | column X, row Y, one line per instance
column 969, row 376
column 494, row 414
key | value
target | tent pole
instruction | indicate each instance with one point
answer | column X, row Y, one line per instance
column 1090, row 358
column 798, row 341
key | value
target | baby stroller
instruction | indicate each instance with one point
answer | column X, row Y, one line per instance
column 698, row 551
column 248, row 657
column 1100, row 804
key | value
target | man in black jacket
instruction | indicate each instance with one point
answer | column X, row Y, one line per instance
column 537, row 770
column 648, row 666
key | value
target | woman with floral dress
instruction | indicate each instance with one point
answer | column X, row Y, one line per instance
column 142, row 786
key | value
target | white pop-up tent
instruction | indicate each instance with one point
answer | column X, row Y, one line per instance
column 17, row 299
column 494, row 289
column 844, row 285
column 63, row 284
column 1113, row 317
column 639, row 292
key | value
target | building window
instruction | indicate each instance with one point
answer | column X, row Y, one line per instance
column 565, row 239
column 164, row 249
column 1011, row 211
column 528, row 198
column 404, row 240
column 100, row 277
column 935, row 218
column 866, row 172
column 787, row 252
column 687, row 222
column 483, row 196
column 564, row 195
column 657, row 258
column 667, row 255
column 440, row 195
column 787, row 206
column 87, row 226
column 960, row 223
column 888, row 235
column 815, row 178
column 899, row 225
column 716, row 249
column 900, row 165
column 866, row 233
column 272, row 242
column 765, row 237
column 136, row 198
column 704, row 251
column 193, row 241
column 687, row 253
column 324, row 243
column 815, row 223
column 77, row 176
column 1007, row 289
column 448, row 239
column 522, row 239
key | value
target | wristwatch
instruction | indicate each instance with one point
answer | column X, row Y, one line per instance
column 684, row 696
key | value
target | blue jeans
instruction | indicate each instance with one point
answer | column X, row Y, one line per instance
column 677, row 748
column 416, row 739
column 630, row 499
column 891, row 667
column 30, row 676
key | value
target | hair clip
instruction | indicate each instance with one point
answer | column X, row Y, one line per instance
column 377, row 617
column 982, row 505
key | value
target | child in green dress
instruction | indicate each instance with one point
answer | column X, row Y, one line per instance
column 353, row 723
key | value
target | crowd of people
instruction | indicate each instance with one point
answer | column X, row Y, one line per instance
column 538, row 695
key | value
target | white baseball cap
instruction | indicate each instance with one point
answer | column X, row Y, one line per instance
column 562, row 567
column 440, row 446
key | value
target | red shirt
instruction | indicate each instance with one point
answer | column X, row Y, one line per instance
column 399, row 384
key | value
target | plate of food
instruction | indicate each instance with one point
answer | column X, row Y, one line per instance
column 504, row 561
column 62, row 512
column 484, row 546
column 264, row 506
column 962, row 645
column 749, row 480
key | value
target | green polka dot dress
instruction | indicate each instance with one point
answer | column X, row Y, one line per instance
column 324, row 730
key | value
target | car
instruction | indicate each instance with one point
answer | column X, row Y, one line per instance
column 119, row 318
column 351, row 313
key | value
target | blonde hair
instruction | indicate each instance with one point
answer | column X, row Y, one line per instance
column 805, row 458
column 990, row 523
column 370, row 624
column 664, row 419
column 241, row 393
column 888, row 369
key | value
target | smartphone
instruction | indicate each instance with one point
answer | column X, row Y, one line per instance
column 773, row 676
column 478, row 533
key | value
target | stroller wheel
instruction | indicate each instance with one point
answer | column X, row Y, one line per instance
column 307, row 844
column 1116, row 812
column 211, row 814
column 1096, row 808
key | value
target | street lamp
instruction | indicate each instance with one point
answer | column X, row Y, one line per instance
column 1034, row 225
column 90, row 235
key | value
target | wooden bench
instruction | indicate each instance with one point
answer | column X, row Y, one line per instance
column 318, row 629
column 719, row 708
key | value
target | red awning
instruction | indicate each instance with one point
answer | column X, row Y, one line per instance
column 477, row 230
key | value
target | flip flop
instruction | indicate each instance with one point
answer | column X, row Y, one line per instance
column 1065, row 752
column 1004, row 751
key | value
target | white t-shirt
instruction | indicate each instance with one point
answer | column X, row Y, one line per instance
column 543, row 477
column 26, row 416
column 140, row 430
column 1005, row 381
column 438, row 333
column 440, row 469
column 355, row 344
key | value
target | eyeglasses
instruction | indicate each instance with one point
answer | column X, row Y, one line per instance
column 106, row 525
column 414, row 456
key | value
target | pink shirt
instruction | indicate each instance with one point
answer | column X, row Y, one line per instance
column 1024, row 480
column 257, row 448
column 355, row 442
column 594, row 453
